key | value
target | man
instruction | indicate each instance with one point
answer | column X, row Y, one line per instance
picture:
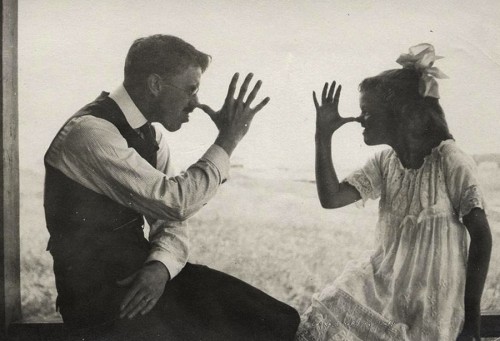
column 107, row 168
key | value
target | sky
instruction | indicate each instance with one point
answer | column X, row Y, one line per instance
column 70, row 51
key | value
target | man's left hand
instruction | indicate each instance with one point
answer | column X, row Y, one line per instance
column 146, row 287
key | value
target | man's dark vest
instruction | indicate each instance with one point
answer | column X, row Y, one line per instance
column 94, row 240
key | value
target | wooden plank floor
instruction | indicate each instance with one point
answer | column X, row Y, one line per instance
column 55, row 330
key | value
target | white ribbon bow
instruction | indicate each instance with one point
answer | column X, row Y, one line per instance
column 421, row 58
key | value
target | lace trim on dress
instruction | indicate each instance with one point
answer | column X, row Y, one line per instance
column 471, row 198
column 341, row 317
column 362, row 183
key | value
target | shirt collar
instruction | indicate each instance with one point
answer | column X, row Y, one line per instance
column 132, row 114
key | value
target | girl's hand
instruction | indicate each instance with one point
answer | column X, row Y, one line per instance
column 328, row 119
column 471, row 329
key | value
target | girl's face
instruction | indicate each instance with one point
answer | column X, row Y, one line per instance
column 376, row 118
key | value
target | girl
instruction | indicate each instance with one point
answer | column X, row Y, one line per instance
column 420, row 283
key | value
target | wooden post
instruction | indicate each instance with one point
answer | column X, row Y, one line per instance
column 10, row 292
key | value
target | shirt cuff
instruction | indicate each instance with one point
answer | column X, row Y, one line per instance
column 172, row 263
column 220, row 159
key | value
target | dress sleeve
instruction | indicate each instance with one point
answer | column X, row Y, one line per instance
column 463, row 187
column 368, row 179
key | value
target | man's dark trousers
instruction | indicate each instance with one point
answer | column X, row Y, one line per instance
column 95, row 242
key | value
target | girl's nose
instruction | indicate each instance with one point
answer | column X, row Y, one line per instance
column 361, row 119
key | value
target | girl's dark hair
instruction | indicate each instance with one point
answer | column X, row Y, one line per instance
column 163, row 55
column 414, row 115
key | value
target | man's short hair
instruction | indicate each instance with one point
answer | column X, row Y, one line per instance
column 162, row 54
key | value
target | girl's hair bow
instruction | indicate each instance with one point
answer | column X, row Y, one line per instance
column 421, row 57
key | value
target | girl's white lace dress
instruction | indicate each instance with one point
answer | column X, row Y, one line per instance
column 412, row 287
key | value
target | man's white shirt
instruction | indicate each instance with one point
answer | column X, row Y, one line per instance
column 92, row 152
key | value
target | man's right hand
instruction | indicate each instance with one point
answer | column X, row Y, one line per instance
column 234, row 118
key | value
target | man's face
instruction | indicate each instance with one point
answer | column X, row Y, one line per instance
column 176, row 99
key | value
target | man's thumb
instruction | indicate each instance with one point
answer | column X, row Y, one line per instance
column 126, row 281
column 206, row 109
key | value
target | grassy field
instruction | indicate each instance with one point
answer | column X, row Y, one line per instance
column 271, row 233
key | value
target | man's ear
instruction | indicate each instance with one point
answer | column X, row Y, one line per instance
column 153, row 84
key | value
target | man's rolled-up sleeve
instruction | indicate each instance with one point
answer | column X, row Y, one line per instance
column 169, row 244
column 219, row 158
column 95, row 154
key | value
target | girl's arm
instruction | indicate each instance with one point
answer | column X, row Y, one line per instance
column 332, row 194
column 477, row 268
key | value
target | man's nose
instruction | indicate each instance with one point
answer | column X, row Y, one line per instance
column 194, row 102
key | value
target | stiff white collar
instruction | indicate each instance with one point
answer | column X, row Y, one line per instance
column 132, row 114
